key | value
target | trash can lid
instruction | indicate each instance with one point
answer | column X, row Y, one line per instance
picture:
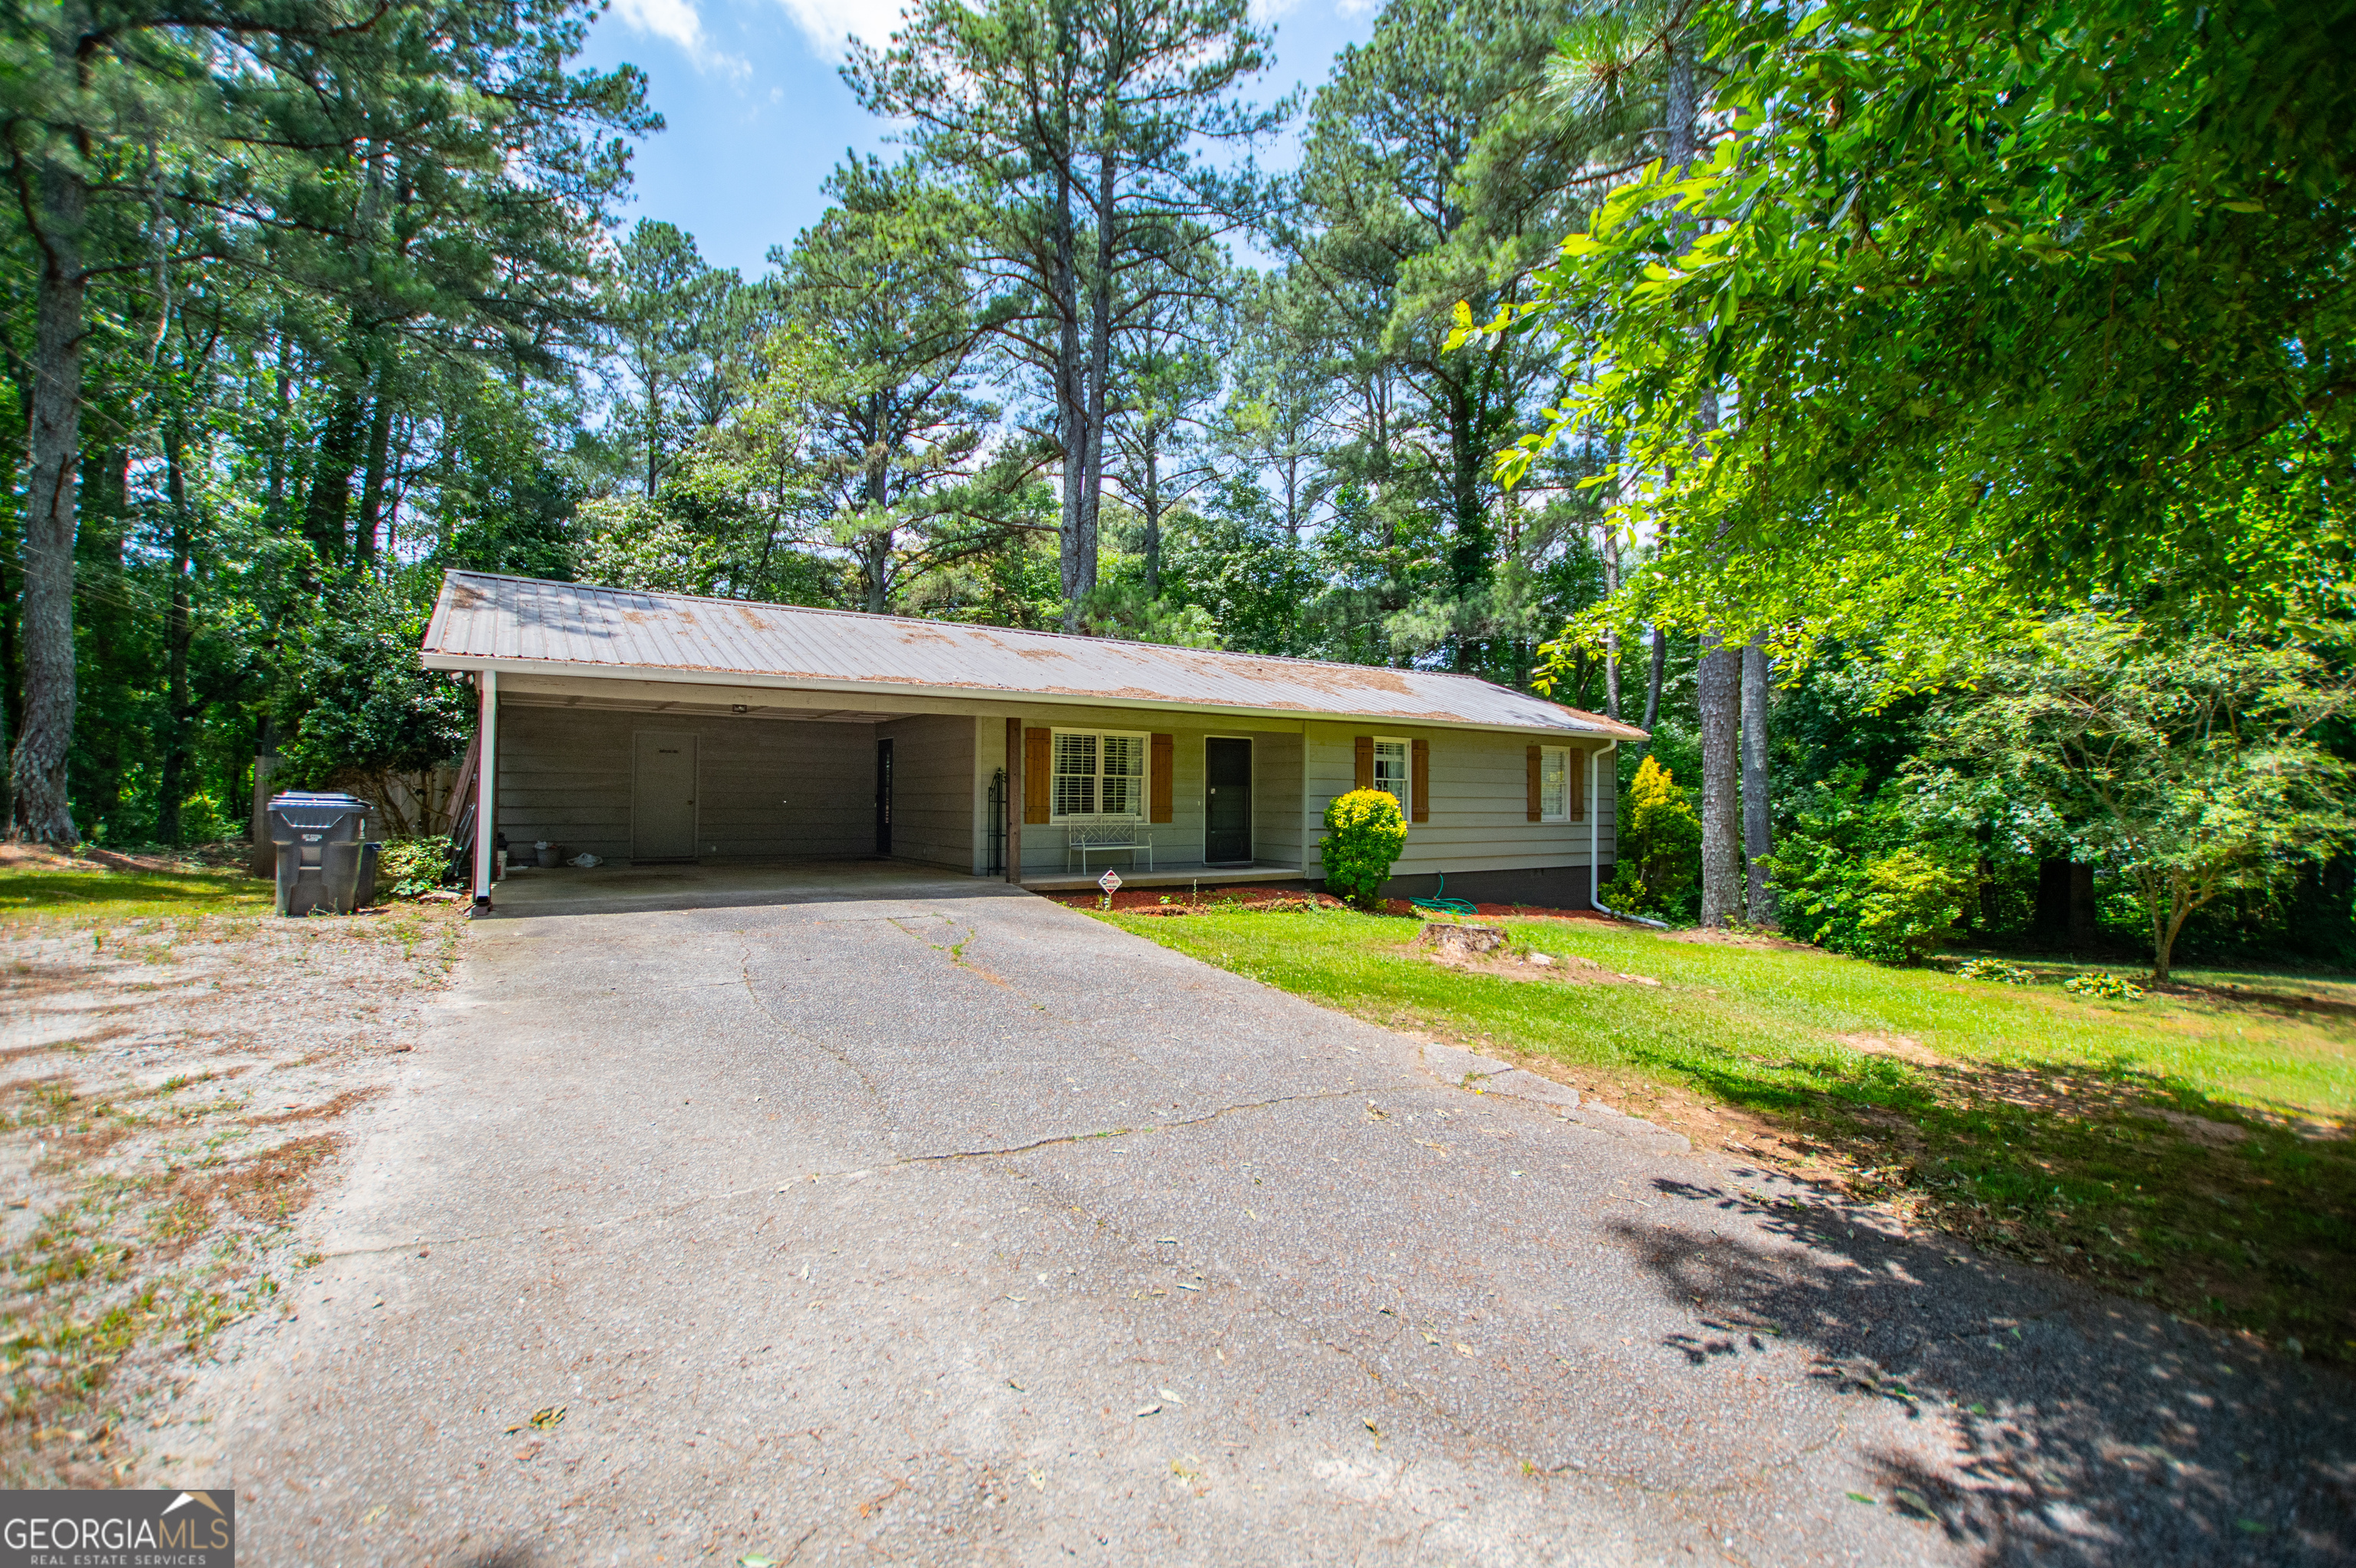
column 300, row 808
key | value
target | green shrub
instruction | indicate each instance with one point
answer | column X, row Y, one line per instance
column 1660, row 848
column 2102, row 983
column 1856, row 876
column 1363, row 835
column 1995, row 969
column 408, row 867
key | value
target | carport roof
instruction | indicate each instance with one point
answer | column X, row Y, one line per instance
column 520, row 623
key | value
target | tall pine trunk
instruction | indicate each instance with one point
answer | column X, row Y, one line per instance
column 1758, row 813
column 326, row 512
column 44, row 808
column 1653, row 681
column 379, row 444
column 177, row 706
column 1611, row 633
column 1099, row 371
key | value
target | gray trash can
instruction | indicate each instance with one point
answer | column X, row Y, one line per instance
column 366, row 897
column 319, row 851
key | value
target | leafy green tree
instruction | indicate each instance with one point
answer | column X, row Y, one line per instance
column 2023, row 302
column 2194, row 768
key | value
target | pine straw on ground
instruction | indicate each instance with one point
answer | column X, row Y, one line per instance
column 173, row 1091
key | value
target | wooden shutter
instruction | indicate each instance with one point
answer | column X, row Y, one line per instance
column 1536, row 782
column 1365, row 763
column 1034, row 774
column 1575, row 782
column 1418, row 786
column 1160, row 770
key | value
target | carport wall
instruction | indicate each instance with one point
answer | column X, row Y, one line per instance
column 766, row 788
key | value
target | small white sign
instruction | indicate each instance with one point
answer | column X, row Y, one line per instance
column 1109, row 882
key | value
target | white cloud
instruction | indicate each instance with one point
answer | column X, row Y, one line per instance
column 828, row 22
column 672, row 19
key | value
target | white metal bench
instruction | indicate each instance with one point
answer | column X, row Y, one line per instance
column 1097, row 837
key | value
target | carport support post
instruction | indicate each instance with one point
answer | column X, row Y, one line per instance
column 1014, row 800
column 487, row 770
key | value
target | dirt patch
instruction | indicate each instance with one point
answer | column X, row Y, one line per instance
column 2201, row 1129
column 151, row 1167
column 342, row 1102
column 1558, row 970
column 1902, row 1047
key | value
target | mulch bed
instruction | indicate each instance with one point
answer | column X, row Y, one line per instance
column 1229, row 899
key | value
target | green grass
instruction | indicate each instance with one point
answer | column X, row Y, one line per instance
column 102, row 897
column 2022, row 1118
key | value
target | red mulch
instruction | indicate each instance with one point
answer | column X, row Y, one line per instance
column 1149, row 900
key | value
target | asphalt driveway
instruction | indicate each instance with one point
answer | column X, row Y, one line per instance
column 857, row 1215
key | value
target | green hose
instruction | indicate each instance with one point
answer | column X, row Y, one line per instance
column 1438, row 904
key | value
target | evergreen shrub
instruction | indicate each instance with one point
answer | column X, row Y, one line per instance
column 1365, row 832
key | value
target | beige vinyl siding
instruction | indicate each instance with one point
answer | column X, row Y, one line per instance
column 1479, row 803
column 932, row 761
column 765, row 788
column 1179, row 841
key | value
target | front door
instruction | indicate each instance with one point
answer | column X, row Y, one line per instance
column 662, row 797
column 1227, row 806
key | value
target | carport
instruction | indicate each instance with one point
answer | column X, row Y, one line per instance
column 662, row 730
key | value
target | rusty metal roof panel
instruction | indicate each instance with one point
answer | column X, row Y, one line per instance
column 516, row 621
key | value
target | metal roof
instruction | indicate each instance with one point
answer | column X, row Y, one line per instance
column 519, row 623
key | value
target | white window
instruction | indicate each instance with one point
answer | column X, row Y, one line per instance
column 1554, row 784
column 1098, row 774
column 1390, row 773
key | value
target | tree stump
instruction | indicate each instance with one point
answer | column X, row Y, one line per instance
column 1464, row 941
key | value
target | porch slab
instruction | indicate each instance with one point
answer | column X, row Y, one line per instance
column 1166, row 877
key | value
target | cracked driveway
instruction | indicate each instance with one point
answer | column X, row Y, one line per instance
column 851, row 1214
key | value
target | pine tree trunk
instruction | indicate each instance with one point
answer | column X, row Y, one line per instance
column 1152, row 507
column 1099, row 370
column 328, row 507
column 1611, row 633
column 1652, row 682
column 173, row 784
column 1071, row 402
column 44, row 809
column 1758, row 803
column 379, row 442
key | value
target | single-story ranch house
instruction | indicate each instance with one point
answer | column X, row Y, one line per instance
column 660, row 728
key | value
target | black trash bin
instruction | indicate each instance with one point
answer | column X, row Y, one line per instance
column 366, row 897
column 319, row 851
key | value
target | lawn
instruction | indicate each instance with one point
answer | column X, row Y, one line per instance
column 50, row 891
column 2193, row 1149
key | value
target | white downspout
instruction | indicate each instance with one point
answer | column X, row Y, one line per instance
column 486, row 769
column 1595, row 840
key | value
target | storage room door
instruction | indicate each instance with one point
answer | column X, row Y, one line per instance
column 662, row 797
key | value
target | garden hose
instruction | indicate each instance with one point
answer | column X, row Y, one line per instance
column 1437, row 903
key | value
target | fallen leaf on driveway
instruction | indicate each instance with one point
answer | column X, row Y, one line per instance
column 1859, row 1497
column 1038, row 1479
column 550, row 1419
column 1462, row 1348
column 1916, row 1501
column 1149, row 1410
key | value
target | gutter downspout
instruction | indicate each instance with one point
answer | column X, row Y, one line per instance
column 1594, row 841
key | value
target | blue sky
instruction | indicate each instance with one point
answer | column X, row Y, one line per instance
column 757, row 115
